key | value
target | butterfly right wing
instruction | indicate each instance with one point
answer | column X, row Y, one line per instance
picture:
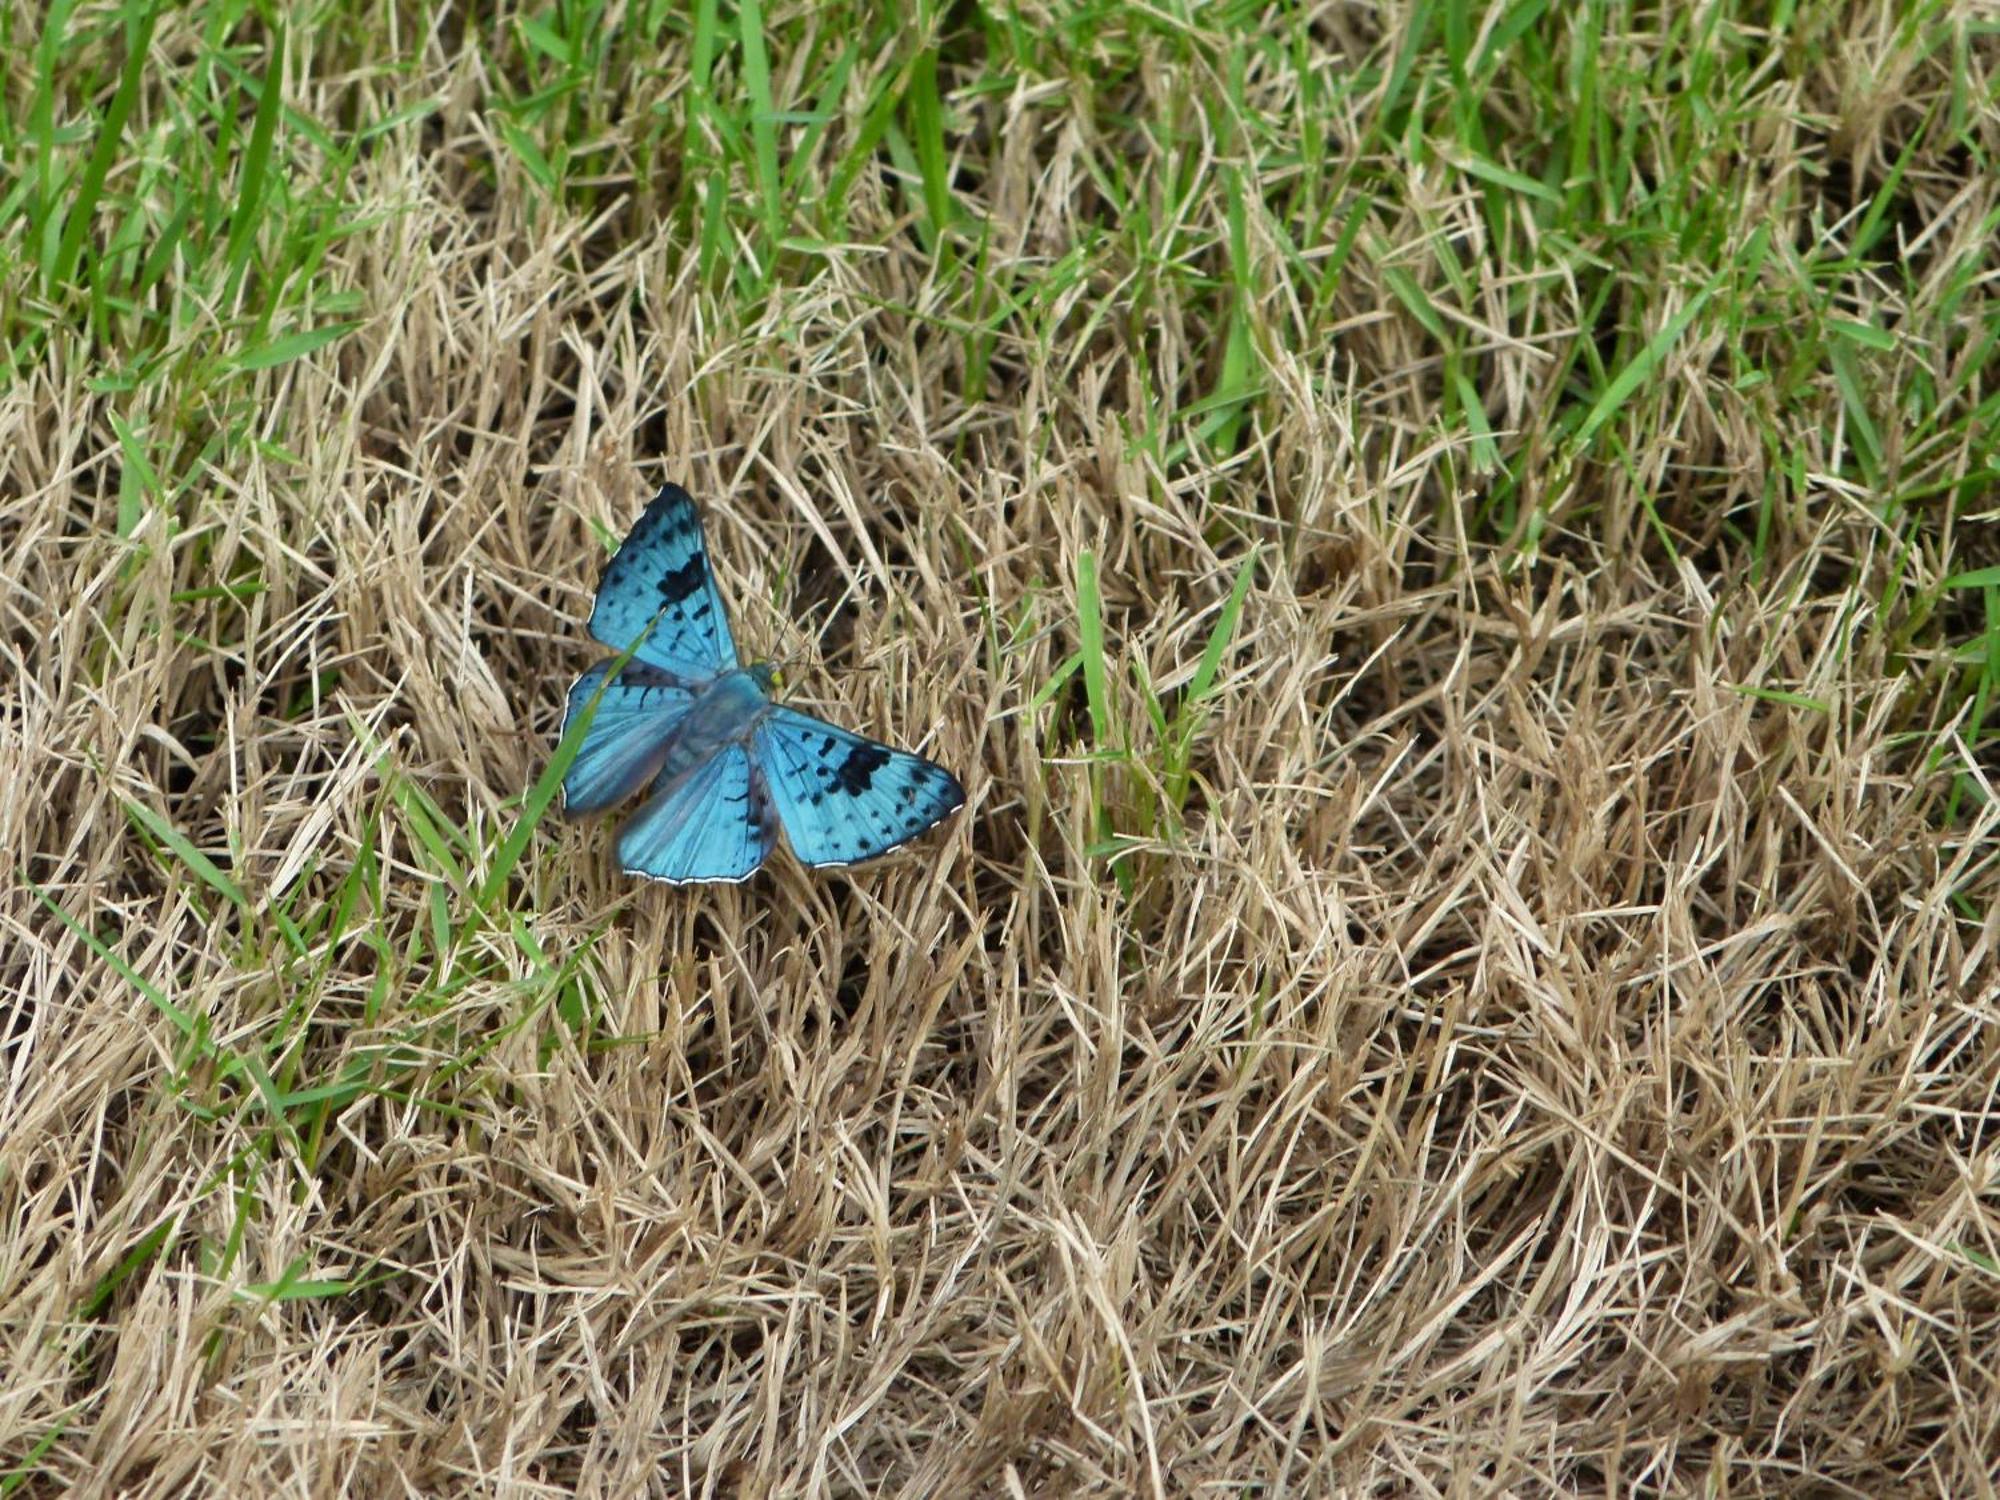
column 626, row 741
column 660, row 578
column 843, row 797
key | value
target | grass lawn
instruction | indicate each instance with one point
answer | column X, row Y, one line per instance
column 1453, row 548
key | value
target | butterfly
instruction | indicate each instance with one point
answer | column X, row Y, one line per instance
column 728, row 766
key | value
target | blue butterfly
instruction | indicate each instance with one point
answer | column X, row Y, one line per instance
column 729, row 767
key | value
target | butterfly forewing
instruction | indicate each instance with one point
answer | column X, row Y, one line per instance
column 659, row 586
column 843, row 797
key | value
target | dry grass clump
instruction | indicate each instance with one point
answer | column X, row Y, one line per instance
column 1502, row 1002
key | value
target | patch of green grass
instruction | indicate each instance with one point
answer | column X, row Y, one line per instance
column 1605, row 195
column 1138, row 749
column 314, row 1052
column 181, row 252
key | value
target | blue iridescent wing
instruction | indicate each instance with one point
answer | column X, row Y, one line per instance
column 843, row 798
column 713, row 822
column 626, row 741
column 660, row 577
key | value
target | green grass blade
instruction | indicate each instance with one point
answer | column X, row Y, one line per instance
column 138, row 484
column 183, row 1022
column 536, row 804
column 1192, row 711
column 1416, row 299
column 148, row 1246
column 1223, row 631
column 199, row 864
column 1057, row 678
column 1641, row 369
column 763, row 118
column 22, row 1472
column 1782, row 695
column 926, row 127
column 254, row 182
column 139, row 18
column 287, row 347
column 1090, row 634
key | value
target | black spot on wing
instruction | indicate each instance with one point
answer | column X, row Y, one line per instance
column 685, row 585
column 856, row 772
column 668, row 529
column 763, row 811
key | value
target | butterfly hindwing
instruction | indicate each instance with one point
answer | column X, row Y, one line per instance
column 711, row 823
column 842, row 797
column 625, row 743
column 660, row 578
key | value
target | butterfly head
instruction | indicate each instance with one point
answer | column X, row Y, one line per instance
column 763, row 673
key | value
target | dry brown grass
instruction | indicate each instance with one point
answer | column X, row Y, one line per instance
column 1539, row 1065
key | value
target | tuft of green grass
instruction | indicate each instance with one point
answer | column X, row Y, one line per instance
column 1139, row 779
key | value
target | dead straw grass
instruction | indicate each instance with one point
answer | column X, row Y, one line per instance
column 1540, row 1065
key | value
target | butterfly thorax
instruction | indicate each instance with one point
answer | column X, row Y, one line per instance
column 724, row 713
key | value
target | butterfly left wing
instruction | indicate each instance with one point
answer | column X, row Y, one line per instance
column 660, row 577
column 844, row 798
column 713, row 822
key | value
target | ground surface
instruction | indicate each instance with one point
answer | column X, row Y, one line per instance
column 1452, row 547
